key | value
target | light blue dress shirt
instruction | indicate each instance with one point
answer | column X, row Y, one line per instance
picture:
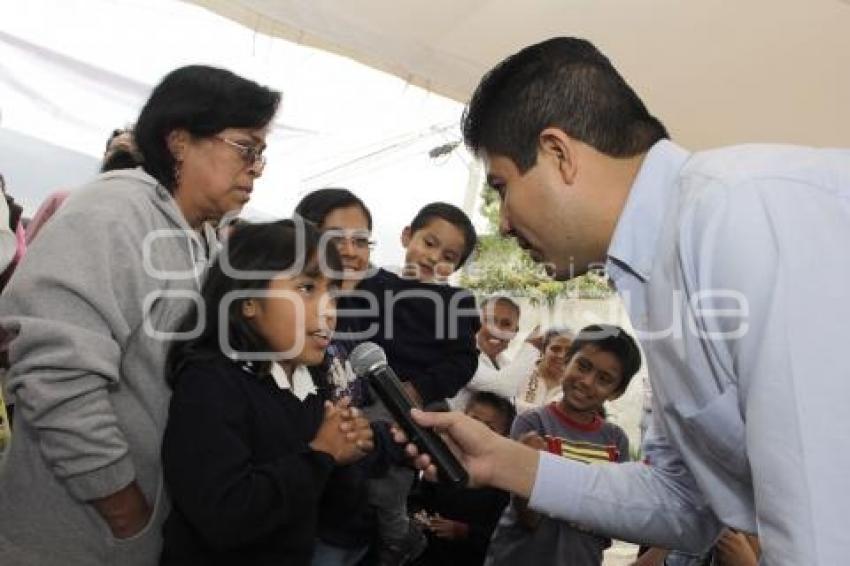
column 734, row 265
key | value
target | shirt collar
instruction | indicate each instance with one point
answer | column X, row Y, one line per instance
column 501, row 360
column 639, row 226
column 302, row 381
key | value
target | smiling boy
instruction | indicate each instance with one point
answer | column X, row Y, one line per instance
column 601, row 362
column 427, row 329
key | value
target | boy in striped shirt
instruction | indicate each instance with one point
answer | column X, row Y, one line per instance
column 600, row 364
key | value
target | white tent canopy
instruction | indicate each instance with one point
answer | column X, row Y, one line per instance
column 71, row 72
column 717, row 72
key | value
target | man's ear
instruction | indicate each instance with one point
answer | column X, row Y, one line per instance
column 249, row 308
column 406, row 235
column 557, row 146
column 177, row 141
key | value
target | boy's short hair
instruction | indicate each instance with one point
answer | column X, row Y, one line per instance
column 503, row 299
column 502, row 405
column 612, row 339
column 454, row 216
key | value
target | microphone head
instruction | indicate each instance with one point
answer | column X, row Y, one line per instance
column 366, row 356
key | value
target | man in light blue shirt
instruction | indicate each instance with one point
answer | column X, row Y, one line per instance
column 734, row 265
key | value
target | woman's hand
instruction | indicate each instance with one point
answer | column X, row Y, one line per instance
column 126, row 511
column 535, row 338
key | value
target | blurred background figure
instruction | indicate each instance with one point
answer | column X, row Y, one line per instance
column 120, row 153
column 543, row 384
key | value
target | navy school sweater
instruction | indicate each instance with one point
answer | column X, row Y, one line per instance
column 427, row 330
column 244, row 484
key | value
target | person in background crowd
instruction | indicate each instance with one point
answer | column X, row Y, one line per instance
column 91, row 310
column 10, row 214
column 10, row 247
column 543, row 384
column 120, row 153
column 17, row 248
column 496, row 372
column 347, row 523
column 347, row 222
column 460, row 522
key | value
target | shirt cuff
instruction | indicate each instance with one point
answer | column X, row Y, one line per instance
column 102, row 482
column 558, row 486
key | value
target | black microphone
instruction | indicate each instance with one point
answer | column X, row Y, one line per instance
column 370, row 362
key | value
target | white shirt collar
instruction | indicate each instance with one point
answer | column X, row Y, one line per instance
column 501, row 358
column 639, row 226
column 302, row 381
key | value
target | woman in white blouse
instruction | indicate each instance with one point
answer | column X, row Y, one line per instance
column 543, row 385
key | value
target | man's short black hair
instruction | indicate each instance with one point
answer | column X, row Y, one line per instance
column 454, row 216
column 564, row 82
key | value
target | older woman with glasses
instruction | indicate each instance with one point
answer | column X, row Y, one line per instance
column 92, row 310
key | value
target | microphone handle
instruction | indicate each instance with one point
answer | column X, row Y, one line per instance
column 388, row 387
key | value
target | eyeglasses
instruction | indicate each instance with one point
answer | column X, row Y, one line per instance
column 358, row 241
column 251, row 154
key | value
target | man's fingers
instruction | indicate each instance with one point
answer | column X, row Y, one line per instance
column 533, row 439
column 423, row 462
column 439, row 421
column 430, row 473
column 398, row 435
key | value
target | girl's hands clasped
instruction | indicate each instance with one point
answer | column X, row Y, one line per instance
column 345, row 433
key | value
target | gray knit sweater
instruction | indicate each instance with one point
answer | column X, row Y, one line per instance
column 90, row 306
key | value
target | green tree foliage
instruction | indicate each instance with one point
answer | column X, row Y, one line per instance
column 501, row 266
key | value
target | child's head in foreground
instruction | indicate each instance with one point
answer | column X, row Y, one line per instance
column 265, row 299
